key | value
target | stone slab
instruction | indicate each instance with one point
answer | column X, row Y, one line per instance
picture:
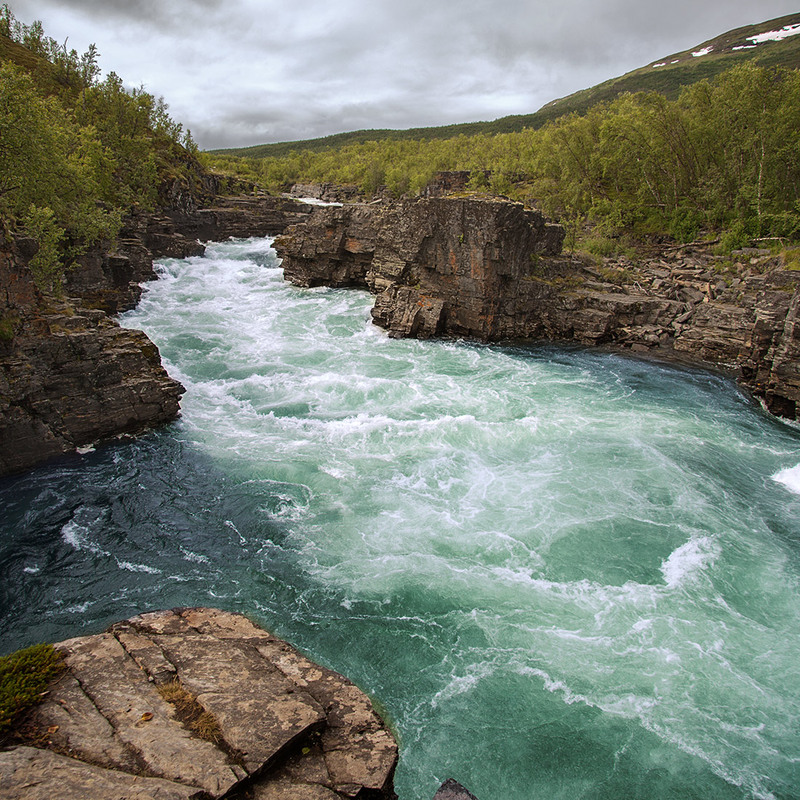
column 30, row 774
column 142, row 719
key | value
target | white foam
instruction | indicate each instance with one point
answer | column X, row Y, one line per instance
column 689, row 561
column 790, row 478
column 315, row 201
column 77, row 536
column 130, row 567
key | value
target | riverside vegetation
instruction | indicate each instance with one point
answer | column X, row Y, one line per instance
column 721, row 157
column 77, row 152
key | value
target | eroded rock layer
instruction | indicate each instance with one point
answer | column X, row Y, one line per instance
column 198, row 703
column 491, row 270
column 69, row 374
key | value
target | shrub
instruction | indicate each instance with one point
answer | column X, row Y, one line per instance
column 24, row 676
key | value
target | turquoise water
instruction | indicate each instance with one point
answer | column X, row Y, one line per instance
column 560, row 573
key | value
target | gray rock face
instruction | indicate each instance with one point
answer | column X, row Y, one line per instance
column 491, row 270
column 69, row 375
column 274, row 724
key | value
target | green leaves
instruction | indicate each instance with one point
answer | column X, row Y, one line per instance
column 724, row 151
column 75, row 153
column 48, row 271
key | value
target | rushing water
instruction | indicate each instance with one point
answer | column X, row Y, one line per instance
column 560, row 573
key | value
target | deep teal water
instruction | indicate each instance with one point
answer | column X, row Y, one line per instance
column 560, row 573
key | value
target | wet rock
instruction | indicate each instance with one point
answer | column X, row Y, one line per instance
column 274, row 724
column 453, row 790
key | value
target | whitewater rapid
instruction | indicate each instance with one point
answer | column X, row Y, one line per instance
column 560, row 573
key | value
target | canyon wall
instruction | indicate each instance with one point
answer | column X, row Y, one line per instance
column 69, row 374
column 492, row 270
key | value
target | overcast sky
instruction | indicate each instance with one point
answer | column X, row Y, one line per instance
column 243, row 72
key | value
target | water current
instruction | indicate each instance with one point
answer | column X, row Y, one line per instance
column 560, row 573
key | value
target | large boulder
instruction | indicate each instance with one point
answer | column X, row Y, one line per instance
column 198, row 703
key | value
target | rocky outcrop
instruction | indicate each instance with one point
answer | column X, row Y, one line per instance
column 328, row 192
column 197, row 703
column 443, row 183
column 109, row 276
column 491, row 270
column 69, row 375
column 453, row 790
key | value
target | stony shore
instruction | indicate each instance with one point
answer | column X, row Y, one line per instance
column 193, row 704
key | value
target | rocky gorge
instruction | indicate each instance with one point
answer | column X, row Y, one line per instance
column 479, row 268
column 492, row 270
column 69, row 374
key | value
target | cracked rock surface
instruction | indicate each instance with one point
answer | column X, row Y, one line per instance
column 256, row 719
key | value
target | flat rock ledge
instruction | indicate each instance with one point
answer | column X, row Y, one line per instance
column 198, row 703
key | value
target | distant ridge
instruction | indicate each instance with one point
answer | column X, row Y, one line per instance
column 665, row 75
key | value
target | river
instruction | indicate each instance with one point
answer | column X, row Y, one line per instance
column 560, row 573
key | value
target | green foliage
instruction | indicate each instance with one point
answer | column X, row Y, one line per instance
column 24, row 675
column 791, row 259
column 721, row 156
column 76, row 153
column 7, row 327
column 47, row 268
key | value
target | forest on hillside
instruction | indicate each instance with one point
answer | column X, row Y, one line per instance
column 723, row 156
column 76, row 152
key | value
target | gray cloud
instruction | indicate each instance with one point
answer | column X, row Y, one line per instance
column 244, row 72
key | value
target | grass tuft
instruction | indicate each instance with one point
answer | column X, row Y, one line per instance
column 24, row 677
column 190, row 712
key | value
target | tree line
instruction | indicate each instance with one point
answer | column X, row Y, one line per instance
column 723, row 155
column 76, row 152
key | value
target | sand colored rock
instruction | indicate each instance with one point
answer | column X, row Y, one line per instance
column 282, row 725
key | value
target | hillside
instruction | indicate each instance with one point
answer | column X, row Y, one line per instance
column 665, row 75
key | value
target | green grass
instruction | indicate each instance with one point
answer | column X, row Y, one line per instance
column 24, row 676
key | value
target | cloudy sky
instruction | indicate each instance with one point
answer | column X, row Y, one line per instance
column 242, row 72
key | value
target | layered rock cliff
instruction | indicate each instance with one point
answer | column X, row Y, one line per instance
column 491, row 270
column 69, row 374
column 194, row 704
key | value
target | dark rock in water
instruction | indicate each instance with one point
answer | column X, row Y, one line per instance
column 197, row 703
column 492, row 270
column 453, row 790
